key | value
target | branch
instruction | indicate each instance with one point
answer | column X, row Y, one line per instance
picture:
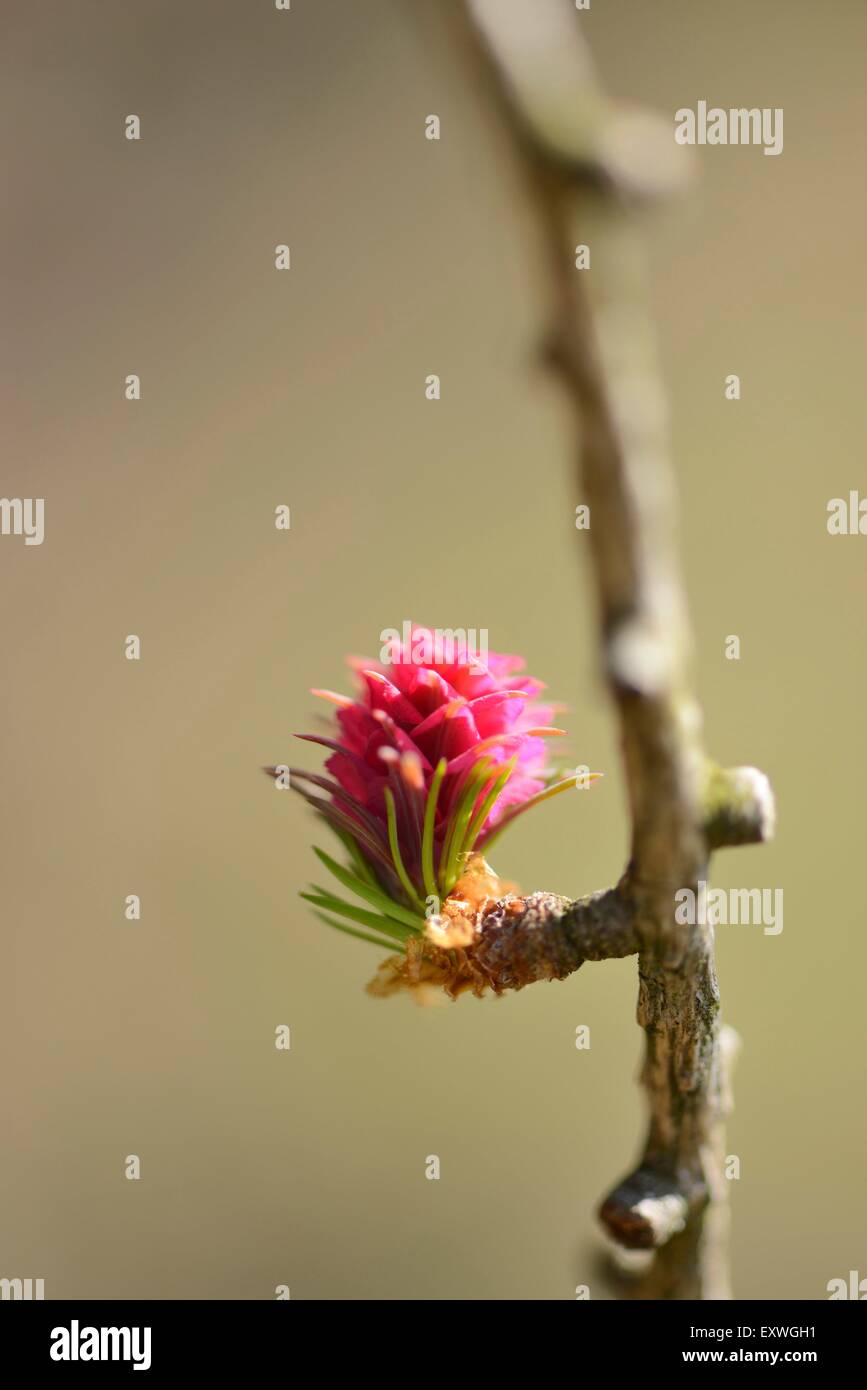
column 545, row 937
column 586, row 168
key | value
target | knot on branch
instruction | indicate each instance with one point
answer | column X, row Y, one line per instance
column 738, row 807
column 639, row 659
column 648, row 1208
column 546, row 937
column 557, row 103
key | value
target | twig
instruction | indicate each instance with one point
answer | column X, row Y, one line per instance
column 587, row 169
column 545, row 937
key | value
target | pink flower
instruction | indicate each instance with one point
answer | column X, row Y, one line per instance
column 428, row 764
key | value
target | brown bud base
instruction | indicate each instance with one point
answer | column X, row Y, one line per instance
column 442, row 960
column 488, row 938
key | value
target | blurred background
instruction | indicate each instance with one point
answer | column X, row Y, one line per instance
column 306, row 388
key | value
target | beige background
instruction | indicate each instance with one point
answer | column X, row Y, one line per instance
column 156, row 1038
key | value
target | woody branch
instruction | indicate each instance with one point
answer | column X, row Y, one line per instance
column 588, row 170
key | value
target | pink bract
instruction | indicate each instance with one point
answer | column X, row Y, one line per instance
column 429, row 761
